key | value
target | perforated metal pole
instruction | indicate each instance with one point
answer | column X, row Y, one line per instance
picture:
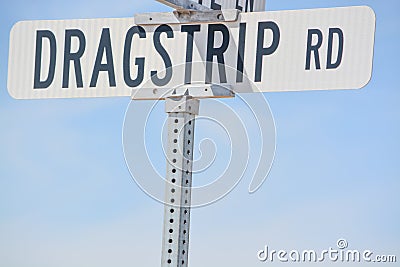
column 181, row 119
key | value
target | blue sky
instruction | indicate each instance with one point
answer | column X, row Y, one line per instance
column 67, row 198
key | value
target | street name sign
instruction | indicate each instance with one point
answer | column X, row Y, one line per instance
column 318, row 49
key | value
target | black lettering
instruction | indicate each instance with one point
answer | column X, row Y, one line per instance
column 164, row 55
column 238, row 7
column 249, row 5
column 218, row 52
column 265, row 51
column 38, row 84
column 75, row 57
column 313, row 48
column 241, row 48
column 339, row 33
column 104, row 46
column 127, row 58
column 215, row 6
column 190, row 29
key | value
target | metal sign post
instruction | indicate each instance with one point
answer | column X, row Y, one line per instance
column 181, row 119
column 182, row 105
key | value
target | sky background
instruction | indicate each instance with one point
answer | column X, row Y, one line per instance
column 67, row 198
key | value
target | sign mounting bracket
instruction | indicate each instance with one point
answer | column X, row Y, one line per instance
column 187, row 16
column 187, row 11
column 198, row 91
column 184, row 4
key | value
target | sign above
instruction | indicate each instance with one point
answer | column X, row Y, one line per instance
column 320, row 49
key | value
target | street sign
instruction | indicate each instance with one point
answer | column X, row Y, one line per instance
column 205, row 48
column 319, row 49
column 242, row 5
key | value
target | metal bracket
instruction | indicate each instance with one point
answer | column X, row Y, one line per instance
column 196, row 91
column 187, row 16
column 182, row 104
column 184, row 4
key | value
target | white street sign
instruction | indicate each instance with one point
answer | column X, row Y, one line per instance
column 320, row 49
column 242, row 5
